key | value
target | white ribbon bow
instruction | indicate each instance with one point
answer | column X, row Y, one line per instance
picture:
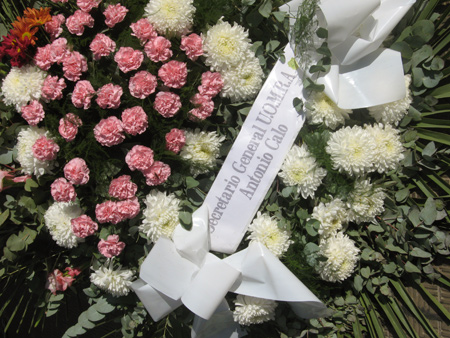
column 183, row 271
column 362, row 74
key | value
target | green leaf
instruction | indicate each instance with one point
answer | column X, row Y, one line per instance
column 423, row 29
column 186, row 219
column 390, row 268
column 266, row 8
column 441, row 92
column 4, row 216
column 402, row 195
column 298, row 104
column 429, row 213
column 29, row 184
column 410, row 267
column 322, row 33
column 429, row 149
column 191, row 182
column 358, row 283
column 293, row 64
column 417, row 252
column 6, row 157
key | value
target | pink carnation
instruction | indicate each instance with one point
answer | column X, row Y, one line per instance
column 128, row 59
column 107, row 212
column 76, row 171
column 53, row 27
column 45, row 149
column 109, row 132
column 173, row 74
column 167, row 104
column 52, row 88
column 158, row 49
column 129, row 208
column 59, row 50
column 115, row 14
column 73, row 65
column 192, row 46
column 82, row 94
column 57, row 281
column 175, row 140
column 205, row 107
column 108, row 96
column 135, row 120
column 122, row 188
column 143, row 30
column 111, row 247
column 212, row 84
column 140, row 158
column 83, row 226
column 33, row 113
column 142, row 84
column 87, row 5
column 157, row 174
column 72, row 272
column 76, row 22
column 68, row 126
column 43, row 57
column 62, row 191
column 102, row 45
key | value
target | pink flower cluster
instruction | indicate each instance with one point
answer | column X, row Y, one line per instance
column 33, row 113
column 52, row 88
column 83, row 226
column 68, row 126
column 45, row 149
column 59, row 281
column 128, row 59
column 109, row 132
column 134, row 120
column 77, row 21
column 158, row 49
column 167, row 104
column 142, row 84
column 111, row 247
column 82, row 94
column 212, row 84
column 53, row 27
column 88, row 5
column 114, row 14
column 175, row 140
column 192, row 45
column 76, row 171
column 102, row 45
column 143, row 30
column 62, row 190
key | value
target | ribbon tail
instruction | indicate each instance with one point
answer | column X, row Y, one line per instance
column 220, row 325
column 157, row 304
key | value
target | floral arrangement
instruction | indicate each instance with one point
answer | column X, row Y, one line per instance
column 117, row 116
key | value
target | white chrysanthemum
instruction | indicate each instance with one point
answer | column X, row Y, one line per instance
column 365, row 202
column 388, row 147
column 332, row 217
column 342, row 256
column 25, row 141
column 201, row 150
column 22, row 85
column 324, row 110
column 393, row 112
column 170, row 17
column 116, row 282
column 252, row 310
column 264, row 229
column 352, row 150
column 243, row 82
column 57, row 219
column 300, row 169
column 161, row 215
column 225, row 45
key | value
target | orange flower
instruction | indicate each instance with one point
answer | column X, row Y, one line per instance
column 23, row 28
column 38, row 17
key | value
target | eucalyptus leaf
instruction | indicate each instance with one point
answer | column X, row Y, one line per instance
column 429, row 213
column 418, row 252
column 410, row 267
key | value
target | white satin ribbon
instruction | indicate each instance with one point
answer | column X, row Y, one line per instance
column 183, row 271
column 362, row 73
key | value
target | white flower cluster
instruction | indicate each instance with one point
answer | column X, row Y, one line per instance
column 227, row 50
column 252, row 310
column 57, row 220
column 332, row 217
column 22, row 85
column 300, row 169
column 342, row 256
column 160, row 216
column 321, row 109
column 117, row 282
column 393, row 112
column 264, row 229
column 201, row 150
column 365, row 202
column 171, row 17
column 30, row 165
column 357, row 151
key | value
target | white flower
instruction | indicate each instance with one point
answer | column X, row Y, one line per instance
column 22, row 85
column 393, row 112
column 201, row 150
column 264, row 229
column 242, row 82
column 25, row 141
column 161, row 215
column 365, row 202
column 252, row 310
column 57, row 219
column 225, row 45
column 332, row 217
column 324, row 110
column 300, row 169
column 388, row 147
column 116, row 282
column 342, row 256
column 170, row 17
column 352, row 150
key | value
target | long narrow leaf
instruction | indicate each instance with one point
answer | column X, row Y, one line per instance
column 357, row 330
column 392, row 318
column 377, row 330
column 440, row 308
column 442, row 91
column 434, row 136
column 393, row 302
